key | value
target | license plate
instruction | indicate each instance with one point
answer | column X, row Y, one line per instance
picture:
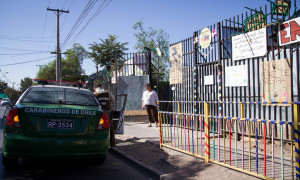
column 60, row 123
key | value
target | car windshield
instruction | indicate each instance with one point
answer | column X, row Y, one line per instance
column 59, row 95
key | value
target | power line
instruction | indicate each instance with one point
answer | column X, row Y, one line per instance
column 13, row 49
column 99, row 10
column 19, row 37
column 80, row 19
column 64, row 4
column 26, row 61
column 21, row 54
column 44, row 28
column 15, row 39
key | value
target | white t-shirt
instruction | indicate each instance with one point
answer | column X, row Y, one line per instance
column 150, row 98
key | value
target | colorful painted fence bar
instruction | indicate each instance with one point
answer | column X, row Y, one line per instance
column 204, row 136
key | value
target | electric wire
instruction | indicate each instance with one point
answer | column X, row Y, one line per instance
column 44, row 29
column 87, row 9
column 7, row 80
column 80, row 19
column 71, row 4
column 21, row 54
column 25, row 62
column 13, row 49
column 99, row 10
column 16, row 39
column 64, row 4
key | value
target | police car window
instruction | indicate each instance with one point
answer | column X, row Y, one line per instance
column 57, row 95
column 78, row 97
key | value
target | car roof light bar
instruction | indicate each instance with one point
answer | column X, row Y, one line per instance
column 62, row 83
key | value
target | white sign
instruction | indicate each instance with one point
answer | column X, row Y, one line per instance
column 208, row 80
column 289, row 32
column 248, row 45
column 236, row 76
column 59, row 111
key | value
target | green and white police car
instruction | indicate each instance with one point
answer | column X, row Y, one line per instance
column 55, row 121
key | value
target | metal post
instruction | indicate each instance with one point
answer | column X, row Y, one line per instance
column 219, row 67
column 296, row 135
column 207, row 132
column 195, row 48
column 149, row 66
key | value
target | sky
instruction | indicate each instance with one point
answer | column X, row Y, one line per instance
column 28, row 30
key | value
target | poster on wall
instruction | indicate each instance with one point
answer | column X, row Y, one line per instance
column 289, row 32
column 249, row 45
column 236, row 76
column 208, row 80
column 175, row 73
column 276, row 81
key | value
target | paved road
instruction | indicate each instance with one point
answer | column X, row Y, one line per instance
column 112, row 168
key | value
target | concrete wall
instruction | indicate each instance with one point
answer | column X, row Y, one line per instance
column 133, row 86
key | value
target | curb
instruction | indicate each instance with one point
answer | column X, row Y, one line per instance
column 156, row 173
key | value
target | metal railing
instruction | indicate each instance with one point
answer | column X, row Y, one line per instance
column 210, row 137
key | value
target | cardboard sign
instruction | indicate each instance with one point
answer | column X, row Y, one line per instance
column 175, row 53
column 289, row 32
column 276, row 80
column 236, row 76
column 248, row 45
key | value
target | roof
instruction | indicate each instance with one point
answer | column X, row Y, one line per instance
column 3, row 95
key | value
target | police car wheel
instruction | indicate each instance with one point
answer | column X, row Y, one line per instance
column 9, row 162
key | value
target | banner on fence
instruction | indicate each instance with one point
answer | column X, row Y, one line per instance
column 236, row 76
column 175, row 52
column 276, row 80
column 249, row 45
column 289, row 32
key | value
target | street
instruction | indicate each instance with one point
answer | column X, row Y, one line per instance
column 112, row 168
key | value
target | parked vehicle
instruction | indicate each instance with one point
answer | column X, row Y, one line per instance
column 55, row 121
column 5, row 101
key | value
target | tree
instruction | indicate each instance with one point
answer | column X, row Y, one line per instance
column 108, row 49
column 12, row 93
column 150, row 39
column 71, row 66
column 3, row 86
column 25, row 83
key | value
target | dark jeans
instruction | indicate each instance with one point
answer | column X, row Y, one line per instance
column 152, row 113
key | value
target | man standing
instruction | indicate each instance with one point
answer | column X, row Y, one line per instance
column 149, row 101
column 105, row 99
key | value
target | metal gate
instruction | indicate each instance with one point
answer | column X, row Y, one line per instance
column 209, row 112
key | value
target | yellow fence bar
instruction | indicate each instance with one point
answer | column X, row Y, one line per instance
column 207, row 132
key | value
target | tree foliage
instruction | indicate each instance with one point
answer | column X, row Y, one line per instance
column 104, row 53
column 12, row 93
column 3, row 86
column 71, row 65
column 25, row 83
column 151, row 38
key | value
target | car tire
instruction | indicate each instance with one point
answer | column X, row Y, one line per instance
column 9, row 162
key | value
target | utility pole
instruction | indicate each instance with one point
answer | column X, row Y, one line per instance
column 58, row 59
column 40, row 66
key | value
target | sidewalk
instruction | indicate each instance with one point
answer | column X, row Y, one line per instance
column 140, row 144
